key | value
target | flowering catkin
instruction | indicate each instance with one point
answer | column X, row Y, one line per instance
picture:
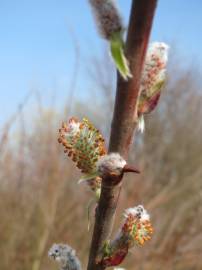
column 65, row 256
column 136, row 230
column 84, row 144
column 107, row 17
column 137, row 227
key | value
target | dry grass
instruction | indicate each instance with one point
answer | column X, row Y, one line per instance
column 41, row 203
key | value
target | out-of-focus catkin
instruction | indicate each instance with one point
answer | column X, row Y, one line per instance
column 107, row 17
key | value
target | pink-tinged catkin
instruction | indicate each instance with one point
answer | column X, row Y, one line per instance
column 152, row 80
column 107, row 17
column 136, row 230
column 153, row 77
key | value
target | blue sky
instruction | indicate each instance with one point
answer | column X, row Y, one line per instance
column 37, row 49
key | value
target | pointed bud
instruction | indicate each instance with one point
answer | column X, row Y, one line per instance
column 128, row 168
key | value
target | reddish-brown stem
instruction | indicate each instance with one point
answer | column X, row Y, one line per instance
column 124, row 120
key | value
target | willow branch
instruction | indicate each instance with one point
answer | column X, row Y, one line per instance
column 124, row 120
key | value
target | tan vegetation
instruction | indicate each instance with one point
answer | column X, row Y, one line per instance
column 41, row 203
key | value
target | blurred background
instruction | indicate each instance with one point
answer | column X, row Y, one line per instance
column 53, row 66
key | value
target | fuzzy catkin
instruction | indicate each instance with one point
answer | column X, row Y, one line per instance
column 155, row 67
column 107, row 17
column 65, row 256
column 110, row 164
